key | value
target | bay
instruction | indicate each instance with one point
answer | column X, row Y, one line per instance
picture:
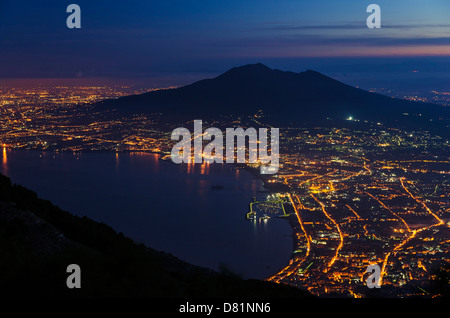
column 171, row 208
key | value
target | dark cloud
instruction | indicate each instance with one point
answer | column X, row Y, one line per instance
column 348, row 26
column 117, row 38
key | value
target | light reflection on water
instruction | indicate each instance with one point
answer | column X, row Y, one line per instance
column 5, row 161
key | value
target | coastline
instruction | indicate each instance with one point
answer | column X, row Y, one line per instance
column 263, row 258
column 272, row 187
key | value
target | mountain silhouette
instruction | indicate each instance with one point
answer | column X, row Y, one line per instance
column 286, row 98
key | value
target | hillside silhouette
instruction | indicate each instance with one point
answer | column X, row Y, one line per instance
column 286, row 98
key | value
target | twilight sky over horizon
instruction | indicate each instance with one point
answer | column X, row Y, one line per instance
column 141, row 38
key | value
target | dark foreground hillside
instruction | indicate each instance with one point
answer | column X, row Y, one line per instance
column 38, row 241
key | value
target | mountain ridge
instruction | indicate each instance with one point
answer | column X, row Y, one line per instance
column 285, row 97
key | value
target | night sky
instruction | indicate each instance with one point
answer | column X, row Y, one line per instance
column 141, row 38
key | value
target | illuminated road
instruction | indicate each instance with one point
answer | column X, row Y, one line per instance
column 387, row 208
column 292, row 268
column 354, row 212
column 421, row 202
column 341, row 237
column 296, row 271
column 413, row 233
column 308, row 239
